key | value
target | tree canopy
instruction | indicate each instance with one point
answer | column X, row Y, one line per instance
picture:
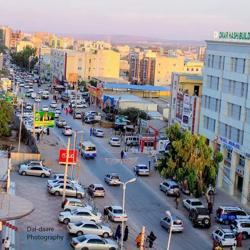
column 6, row 116
column 26, row 58
column 190, row 160
column 133, row 114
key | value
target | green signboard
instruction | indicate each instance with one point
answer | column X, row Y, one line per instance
column 242, row 36
column 44, row 119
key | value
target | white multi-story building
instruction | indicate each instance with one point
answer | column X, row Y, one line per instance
column 225, row 111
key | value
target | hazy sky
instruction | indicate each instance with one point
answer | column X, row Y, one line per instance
column 167, row 19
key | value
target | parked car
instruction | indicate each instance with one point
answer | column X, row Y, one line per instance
column 53, row 105
column 90, row 120
column 61, row 181
column 177, row 225
column 169, row 187
column 93, row 242
column 115, row 213
column 225, row 237
column 142, row 169
column 89, row 227
column 98, row 132
column 79, row 214
column 61, row 123
column 67, row 130
column 45, row 108
column 96, row 190
column 77, row 114
column 227, row 214
column 115, row 142
column 200, row 217
column 73, row 191
column 241, row 226
column 112, row 179
column 70, row 204
column 190, row 204
column 35, row 168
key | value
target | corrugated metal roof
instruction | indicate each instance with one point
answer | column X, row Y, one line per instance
column 136, row 87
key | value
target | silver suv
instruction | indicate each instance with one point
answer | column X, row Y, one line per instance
column 242, row 226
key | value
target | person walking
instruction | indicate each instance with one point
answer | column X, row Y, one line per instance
column 210, row 207
column 62, row 106
column 48, row 131
column 90, row 131
column 38, row 137
column 126, row 231
column 6, row 243
column 151, row 238
column 138, row 240
column 122, row 155
column 118, row 233
column 177, row 199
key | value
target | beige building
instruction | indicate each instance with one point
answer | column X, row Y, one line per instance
column 5, row 36
column 23, row 44
column 1, row 61
column 193, row 67
column 71, row 65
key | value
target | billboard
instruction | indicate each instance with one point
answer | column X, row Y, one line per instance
column 63, row 156
column 44, row 119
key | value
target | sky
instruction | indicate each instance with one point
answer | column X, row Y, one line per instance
column 164, row 19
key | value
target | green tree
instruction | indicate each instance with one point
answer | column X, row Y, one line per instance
column 82, row 85
column 6, row 116
column 26, row 58
column 133, row 114
column 3, row 49
column 190, row 159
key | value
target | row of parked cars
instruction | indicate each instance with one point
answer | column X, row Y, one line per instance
column 199, row 215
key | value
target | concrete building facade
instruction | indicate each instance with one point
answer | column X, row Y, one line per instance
column 186, row 100
column 225, row 112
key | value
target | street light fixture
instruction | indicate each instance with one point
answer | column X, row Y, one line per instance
column 124, row 185
column 170, row 229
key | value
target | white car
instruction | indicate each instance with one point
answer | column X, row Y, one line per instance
column 45, row 108
column 37, row 99
column 177, row 224
column 56, row 182
column 225, row 237
column 93, row 242
column 79, row 214
column 115, row 142
column 112, row 179
column 70, row 204
column 58, row 110
column 67, row 130
column 73, row 191
column 115, row 213
column 142, row 169
column 53, row 105
column 89, row 227
column 190, row 204
column 35, row 168
column 98, row 132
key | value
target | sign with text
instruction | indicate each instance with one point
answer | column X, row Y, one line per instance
column 63, row 156
column 233, row 36
column 44, row 119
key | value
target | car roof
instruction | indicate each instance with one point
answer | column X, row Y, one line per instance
column 112, row 174
column 226, row 230
column 92, row 236
column 86, row 222
column 98, row 185
column 116, row 207
column 73, row 199
column 171, row 182
column 117, row 138
column 141, row 165
column 230, row 208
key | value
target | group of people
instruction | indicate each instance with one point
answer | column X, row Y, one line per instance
column 6, row 243
column 118, row 233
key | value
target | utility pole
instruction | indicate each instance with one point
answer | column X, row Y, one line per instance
column 66, row 170
column 34, row 112
column 142, row 247
column 20, row 127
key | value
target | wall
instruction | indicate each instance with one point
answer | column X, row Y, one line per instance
column 18, row 158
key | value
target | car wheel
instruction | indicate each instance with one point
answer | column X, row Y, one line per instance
column 79, row 233
column 23, row 173
column 67, row 210
column 105, row 235
column 206, row 222
column 66, row 221
column 244, row 235
column 111, row 248
column 79, row 196
column 57, row 193
column 85, row 248
column 43, row 175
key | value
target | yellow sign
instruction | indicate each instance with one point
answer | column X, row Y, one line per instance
column 44, row 119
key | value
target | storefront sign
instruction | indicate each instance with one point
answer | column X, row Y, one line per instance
column 44, row 119
column 238, row 36
column 63, row 156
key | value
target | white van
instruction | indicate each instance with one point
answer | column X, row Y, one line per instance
column 87, row 150
column 132, row 140
column 45, row 95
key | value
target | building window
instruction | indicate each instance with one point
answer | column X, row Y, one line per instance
column 209, row 123
column 242, row 160
column 248, row 115
column 229, row 154
column 213, row 82
column 231, row 133
column 234, row 88
column 238, row 65
column 234, row 111
column 211, row 103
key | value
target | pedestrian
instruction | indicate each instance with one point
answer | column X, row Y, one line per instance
column 122, row 155
column 138, row 240
column 90, row 131
column 210, row 207
column 66, row 110
column 177, row 199
column 105, row 213
column 239, row 238
column 149, row 165
column 126, row 231
column 62, row 106
column 47, row 131
column 6, row 243
column 118, row 233
column 151, row 238
column 38, row 137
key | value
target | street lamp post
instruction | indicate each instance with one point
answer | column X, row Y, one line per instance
column 20, row 127
column 124, row 185
column 170, row 229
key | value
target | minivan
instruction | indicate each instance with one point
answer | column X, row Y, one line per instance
column 228, row 214
column 132, row 140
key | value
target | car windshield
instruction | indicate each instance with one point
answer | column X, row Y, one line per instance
column 90, row 149
column 99, row 188
column 177, row 222
column 229, row 236
column 175, row 186
column 78, row 224
column 115, row 139
column 81, row 238
column 117, row 211
column 196, row 203
column 115, row 178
